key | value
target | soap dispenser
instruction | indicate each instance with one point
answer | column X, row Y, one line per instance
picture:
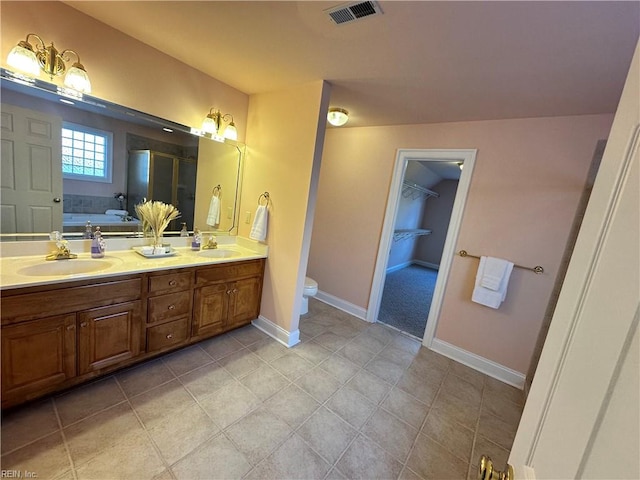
column 97, row 244
column 87, row 230
column 184, row 232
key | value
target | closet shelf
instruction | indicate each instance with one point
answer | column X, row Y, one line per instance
column 403, row 234
column 414, row 191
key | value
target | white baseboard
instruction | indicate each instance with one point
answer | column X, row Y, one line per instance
column 422, row 263
column 288, row 339
column 400, row 266
column 343, row 305
column 488, row 367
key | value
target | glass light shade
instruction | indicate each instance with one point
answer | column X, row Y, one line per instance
column 23, row 59
column 78, row 79
column 231, row 132
column 337, row 116
column 209, row 125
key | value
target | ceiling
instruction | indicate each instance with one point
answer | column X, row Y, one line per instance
column 418, row 62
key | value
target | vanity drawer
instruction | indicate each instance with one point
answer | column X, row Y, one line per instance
column 170, row 282
column 168, row 306
column 233, row 271
column 167, row 334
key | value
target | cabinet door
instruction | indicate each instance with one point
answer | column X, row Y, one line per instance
column 210, row 310
column 108, row 335
column 244, row 302
column 37, row 355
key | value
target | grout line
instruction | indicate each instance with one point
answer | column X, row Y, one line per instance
column 64, row 439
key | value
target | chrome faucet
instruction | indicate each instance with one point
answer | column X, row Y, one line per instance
column 62, row 251
column 211, row 243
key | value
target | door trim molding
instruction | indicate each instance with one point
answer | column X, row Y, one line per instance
column 468, row 157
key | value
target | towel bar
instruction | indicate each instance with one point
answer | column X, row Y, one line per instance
column 265, row 197
column 216, row 190
column 537, row 269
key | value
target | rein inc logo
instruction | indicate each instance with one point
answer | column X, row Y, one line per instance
column 17, row 474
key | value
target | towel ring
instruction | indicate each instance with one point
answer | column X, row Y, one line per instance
column 265, row 197
column 216, row 190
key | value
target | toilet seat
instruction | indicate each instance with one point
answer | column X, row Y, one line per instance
column 310, row 287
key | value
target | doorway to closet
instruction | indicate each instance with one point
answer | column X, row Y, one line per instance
column 424, row 210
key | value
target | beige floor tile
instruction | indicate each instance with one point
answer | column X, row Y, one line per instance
column 395, row 436
column 406, row 343
column 331, row 341
column 87, row 400
column 293, row 405
column 428, row 361
column 365, row 460
column 219, row 347
column 187, row 359
column 344, row 331
column 180, row 433
column 483, row 446
column 268, row 349
column 134, row 457
column 461, row 389
column 168, row 399
column 216, row 459
column 340, row 368
column 265, row 381
column 23, row 426
column 229, row 404
column 500, row 406
column 258, row 434
column 89, row 437
column 370, row 386
column 493, row 386
column 144, row 377
column 382, row 332
column 248, row 335
column 497, row 430
column 319, row 384
column 357, row 353
column 433, row 462
column 206, row 380
column 351, row 406
column 335, row 474
column 385, row 369
column 406, row 407
column 456, row 438
column 368, row 342
column 294, row 459
column 312, row 351
column 327, row 434
column 292, row 365
column 408, row 474
column 241, row 363
column 423, row 388
column 312, row 329
column 164, row 475
column 46, row 458
column 452, row 408
column 400, row 357
column 469, row 374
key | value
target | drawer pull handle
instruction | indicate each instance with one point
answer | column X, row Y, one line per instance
column 170, row 336
column 172, row 307
column 173, row 283
column 70, row 327
column 235, row 290
column 229, row 292
column 83, row 324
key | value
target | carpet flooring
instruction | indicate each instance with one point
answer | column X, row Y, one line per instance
column 406, row 299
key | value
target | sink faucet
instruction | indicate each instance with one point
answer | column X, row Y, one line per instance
column 62, row 251
column 211, row 243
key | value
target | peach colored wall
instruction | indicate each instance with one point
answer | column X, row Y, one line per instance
column 526, row 184
column 285, row 138
column 122, row 69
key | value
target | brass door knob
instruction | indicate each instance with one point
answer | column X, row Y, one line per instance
column 487, row 472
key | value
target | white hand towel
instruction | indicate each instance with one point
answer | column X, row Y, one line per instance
column 213, row 218
column 486, row 296
column 259, row 228
column 493, row 273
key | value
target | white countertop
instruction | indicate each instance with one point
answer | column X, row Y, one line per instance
column 18, row 270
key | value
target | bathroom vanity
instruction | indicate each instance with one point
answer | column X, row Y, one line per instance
column 64, row 330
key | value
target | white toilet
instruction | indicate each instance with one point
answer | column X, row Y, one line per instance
column 310, row 290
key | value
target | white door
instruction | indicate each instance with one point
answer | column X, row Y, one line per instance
column 582, row 416
column 30, row 171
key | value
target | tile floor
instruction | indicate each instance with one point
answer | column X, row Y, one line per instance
column 352, row 400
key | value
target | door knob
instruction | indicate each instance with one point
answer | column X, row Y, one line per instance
column 56, row 200
column 487, row 472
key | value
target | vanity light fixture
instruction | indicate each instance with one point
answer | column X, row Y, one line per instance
column 33, row 58
column 212, row 122
column 337, row 116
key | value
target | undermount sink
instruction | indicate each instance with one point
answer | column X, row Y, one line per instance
column 219, row 253
column 65, row 267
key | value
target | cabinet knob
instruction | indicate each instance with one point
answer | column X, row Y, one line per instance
column 70, row 327
column 172, row 283
column 235, row 290
column 228, row 292
column 170, row 336
column 171, row 307
column 83, row 324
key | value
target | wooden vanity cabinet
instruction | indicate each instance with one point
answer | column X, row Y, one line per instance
column 226, row 296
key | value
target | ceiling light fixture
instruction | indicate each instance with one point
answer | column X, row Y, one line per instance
column 212, row 122
column 337, row 116
column 31, row 59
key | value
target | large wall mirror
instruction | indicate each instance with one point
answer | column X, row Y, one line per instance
column 67, row 161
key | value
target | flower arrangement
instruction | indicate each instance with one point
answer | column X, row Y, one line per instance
column 156, row 216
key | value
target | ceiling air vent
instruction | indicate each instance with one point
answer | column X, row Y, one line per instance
column 353, row 11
